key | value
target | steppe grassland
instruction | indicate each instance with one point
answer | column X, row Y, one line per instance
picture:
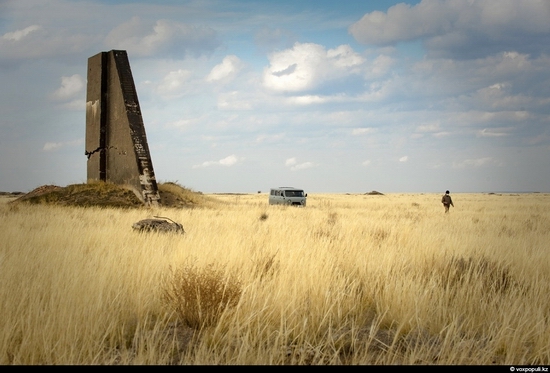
column 350, row 279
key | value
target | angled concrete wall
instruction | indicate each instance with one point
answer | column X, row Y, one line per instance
column 116, row 143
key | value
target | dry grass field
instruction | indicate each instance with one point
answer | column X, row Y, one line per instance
column 349, row 279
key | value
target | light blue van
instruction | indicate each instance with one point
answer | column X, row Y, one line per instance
column 287, row 196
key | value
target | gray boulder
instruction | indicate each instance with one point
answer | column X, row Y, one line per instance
column 160, row 224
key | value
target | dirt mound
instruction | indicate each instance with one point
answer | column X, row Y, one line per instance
column 110, row 195
column 11, row 194
column 41, row 190
column 374, row 193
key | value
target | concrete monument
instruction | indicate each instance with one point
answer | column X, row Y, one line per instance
column 116, row 143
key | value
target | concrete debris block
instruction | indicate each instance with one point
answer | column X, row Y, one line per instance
column 158, row 225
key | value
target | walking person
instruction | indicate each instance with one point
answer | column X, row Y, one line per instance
column 447, row 201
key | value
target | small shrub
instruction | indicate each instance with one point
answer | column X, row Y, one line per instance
column 199, row 296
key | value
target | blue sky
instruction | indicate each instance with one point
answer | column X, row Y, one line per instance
column 334, row 97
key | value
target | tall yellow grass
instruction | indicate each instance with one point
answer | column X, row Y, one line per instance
column 350, row 279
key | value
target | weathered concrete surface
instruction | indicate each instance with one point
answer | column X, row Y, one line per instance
column 116, row 143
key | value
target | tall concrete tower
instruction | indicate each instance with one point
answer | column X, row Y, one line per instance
column 116, row 144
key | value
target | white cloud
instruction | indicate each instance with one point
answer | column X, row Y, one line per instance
column 429, row 18
column 290, row 162
column 50, row 146
column 302, row 166
column 501, row 96
column 442, row 134
column 404, row 159
column 270, row 138
column 344, row 57
column 205, row 164
column 479, row 162
column 377, row 91
column 401, row 22
column 362, row 131
column 307, row 100
column 379, row 67
column 20, row 34
column 504, row 81
column 449, row 25
column 70, row 86
column 74, row 105
column 493, row 132
column 295, row 166
column 234, row 101
column 227, row 161
column 295, row 69
column 140, row 38
column 428, row 127
column 307, row 66
column 226, row 70
column 44, row 41
column 181, row 124
column 367, row 162
column 174, row 84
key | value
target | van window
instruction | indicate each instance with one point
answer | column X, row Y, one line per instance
column 294, row 193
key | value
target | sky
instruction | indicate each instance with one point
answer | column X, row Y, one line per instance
column 239, row 96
